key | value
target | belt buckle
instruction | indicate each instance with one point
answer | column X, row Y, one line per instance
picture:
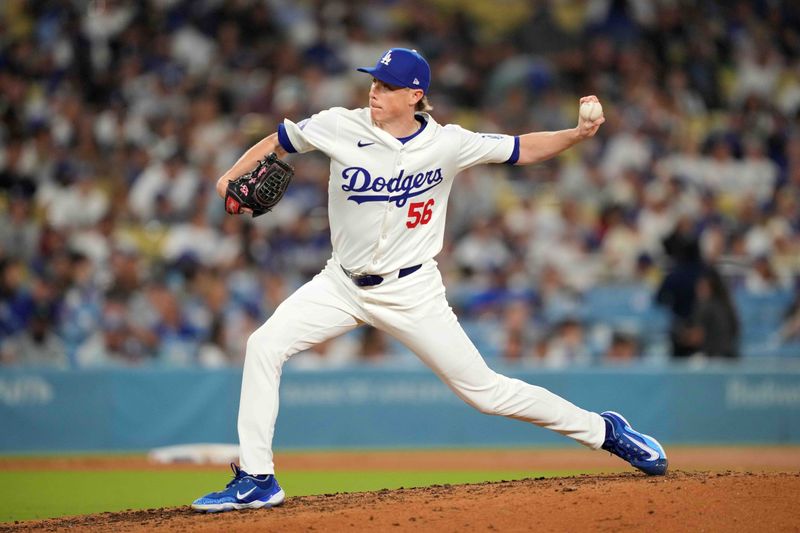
column 352, row 275
column 363, row 280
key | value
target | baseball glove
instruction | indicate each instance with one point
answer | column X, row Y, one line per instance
column 261, row 188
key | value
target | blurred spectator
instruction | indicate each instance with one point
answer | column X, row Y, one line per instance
column 538, row 351
column 196, row 240
column 557, row 299
column 567, row 346
column 519, row 330
column 83, row 299
column 16, row 301
column 658, row 215
column 116, row 342
column 620, row 246
column 678, row 289
column 758, row 174
column 623, row 349
column 37, row 345
column 164, row 190
column 763, row 278
column 178, row 339
column 514, row 347
column 482, row 249
column 77, row 205
column 19, row 233
column 211, row 353
column 713, row 329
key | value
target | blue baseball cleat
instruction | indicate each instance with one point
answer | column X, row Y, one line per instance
column 640, row 450
column 242, row 492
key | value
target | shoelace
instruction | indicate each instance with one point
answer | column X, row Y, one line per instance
column 238, row 476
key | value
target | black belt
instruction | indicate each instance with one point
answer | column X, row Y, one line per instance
column 368, row 280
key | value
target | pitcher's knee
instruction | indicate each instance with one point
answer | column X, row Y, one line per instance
column 481, row 400
column 266, row 343
column 486, row 408
column 490, row 400
column 493, row 406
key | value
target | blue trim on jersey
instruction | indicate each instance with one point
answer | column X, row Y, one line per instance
column 514, row 153
column 423, row 122
column 283, row 139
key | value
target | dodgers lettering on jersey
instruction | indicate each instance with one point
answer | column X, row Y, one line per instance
column 387, row 200
column 397, row 190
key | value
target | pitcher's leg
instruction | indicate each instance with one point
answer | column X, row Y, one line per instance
column 431, row 330
column 441, row 343
column 316, row 312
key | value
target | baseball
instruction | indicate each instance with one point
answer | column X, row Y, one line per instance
column 591, row 111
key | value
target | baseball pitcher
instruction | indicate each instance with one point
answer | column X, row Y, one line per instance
column 392, row 167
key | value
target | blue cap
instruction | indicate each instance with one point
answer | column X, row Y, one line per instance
column 402, row 67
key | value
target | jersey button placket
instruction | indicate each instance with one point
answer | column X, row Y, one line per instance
column 384, row 232
column 384, row 228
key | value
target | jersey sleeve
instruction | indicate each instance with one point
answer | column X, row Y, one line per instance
column 479, row 148
column 318, row 132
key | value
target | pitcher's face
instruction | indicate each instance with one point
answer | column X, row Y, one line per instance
column 389, row 102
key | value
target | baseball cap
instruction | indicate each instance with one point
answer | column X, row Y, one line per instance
column 402, row 67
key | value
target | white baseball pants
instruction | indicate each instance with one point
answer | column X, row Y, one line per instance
column 415, row 311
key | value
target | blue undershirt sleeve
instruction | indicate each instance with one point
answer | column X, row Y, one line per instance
column 286, row 144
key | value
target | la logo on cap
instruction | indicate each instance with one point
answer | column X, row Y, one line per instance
column 386, row 59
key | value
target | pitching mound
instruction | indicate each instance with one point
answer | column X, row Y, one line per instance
column 680, row 501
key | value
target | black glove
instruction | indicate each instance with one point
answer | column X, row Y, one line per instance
column 260, row 189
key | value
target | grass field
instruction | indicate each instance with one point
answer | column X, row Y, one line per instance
column 31, row 495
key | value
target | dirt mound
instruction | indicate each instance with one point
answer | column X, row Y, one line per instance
column 680, row 501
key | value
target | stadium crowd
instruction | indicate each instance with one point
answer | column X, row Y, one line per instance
column 116, row 118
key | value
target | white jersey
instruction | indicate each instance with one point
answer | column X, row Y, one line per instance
column 387, row 198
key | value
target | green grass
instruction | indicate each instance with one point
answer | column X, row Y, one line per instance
column 32, row 495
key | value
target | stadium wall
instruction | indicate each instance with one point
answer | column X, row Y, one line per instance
column 116, row 410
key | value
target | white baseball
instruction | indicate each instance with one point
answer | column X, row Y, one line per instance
column 591, row 111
